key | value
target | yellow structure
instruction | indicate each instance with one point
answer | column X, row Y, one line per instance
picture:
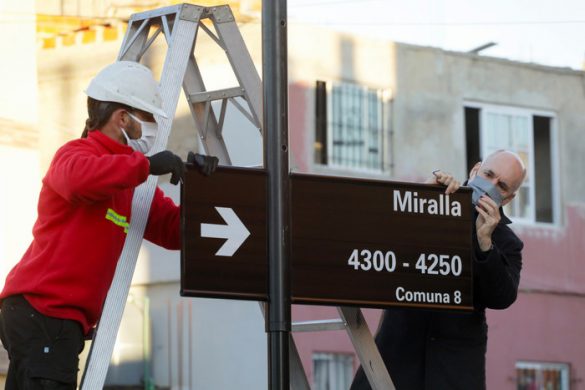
column 55, row 30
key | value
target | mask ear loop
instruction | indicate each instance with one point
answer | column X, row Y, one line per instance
column 124, row 132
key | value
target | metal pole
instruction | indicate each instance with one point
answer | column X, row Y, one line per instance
column 275, row 78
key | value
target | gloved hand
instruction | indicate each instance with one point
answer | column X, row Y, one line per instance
column 165, row 162
column 205, row 164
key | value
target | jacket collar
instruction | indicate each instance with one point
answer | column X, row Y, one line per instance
column 504, row 218
column 108, row 143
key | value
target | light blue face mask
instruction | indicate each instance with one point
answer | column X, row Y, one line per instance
column 481, row 187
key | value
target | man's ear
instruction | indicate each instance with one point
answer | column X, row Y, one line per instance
column 119, row 118
column 123, row 117
column 474, row 170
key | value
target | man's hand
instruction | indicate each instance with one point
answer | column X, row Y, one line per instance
column 446, row 179
column 486, row 222
column 205, row 164
column 165, row 162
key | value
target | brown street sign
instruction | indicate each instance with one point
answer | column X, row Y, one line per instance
column 218, row 258
column 373, row 243
column 353, row 241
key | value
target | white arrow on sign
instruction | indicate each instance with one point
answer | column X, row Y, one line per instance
column 235, row 231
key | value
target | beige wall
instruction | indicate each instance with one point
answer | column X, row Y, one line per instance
column 19, row 170
column 319, row 54
column 17, row 45
column 433, row 85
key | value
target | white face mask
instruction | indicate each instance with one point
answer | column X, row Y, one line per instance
column 145, row 143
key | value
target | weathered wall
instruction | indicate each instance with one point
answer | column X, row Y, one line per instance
column 433, row 85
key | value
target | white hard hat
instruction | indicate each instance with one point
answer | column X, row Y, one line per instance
column 129, row 83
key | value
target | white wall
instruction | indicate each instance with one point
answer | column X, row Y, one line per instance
column 205, row 344
column 19, row 67
column 19, row 191
column 20, row 184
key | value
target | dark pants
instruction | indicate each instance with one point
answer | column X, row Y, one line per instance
column 43, row 351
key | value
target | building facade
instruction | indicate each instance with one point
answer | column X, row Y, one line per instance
column 398, row 112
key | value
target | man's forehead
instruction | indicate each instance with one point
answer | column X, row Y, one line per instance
column 503, row 158
column 507, row 165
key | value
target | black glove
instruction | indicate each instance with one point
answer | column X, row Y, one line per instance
column 205, row 164
column 165, row 162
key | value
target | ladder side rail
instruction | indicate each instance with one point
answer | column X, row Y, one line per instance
column 239, row 57
column 151, row 39
column 217, row 94
column 213, row 142
column 167, row 27
column 134, row 40
column 366, row 349
column 172, row 76
column 319, row 325
column 212, row 35
column 298, row 377
column 243, row 110
column 222, row 114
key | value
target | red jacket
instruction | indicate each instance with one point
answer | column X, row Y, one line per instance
column 83, row 218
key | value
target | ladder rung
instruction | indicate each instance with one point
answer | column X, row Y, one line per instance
column 318, row 325
column 210, row 96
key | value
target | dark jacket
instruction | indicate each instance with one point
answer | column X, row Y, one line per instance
column 425, row 349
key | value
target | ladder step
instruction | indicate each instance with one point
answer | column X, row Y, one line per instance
column 318, row 325
column 209, row 96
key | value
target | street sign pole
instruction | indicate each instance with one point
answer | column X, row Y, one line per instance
column 275, row 78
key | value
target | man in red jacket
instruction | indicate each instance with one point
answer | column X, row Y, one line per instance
column 53, row 297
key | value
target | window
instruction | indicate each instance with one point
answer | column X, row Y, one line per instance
column 542, row 376
column 332, row 371
column 350, row 126
column 530, row 134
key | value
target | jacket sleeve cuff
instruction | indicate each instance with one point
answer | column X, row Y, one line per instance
column 481, row 256
column 143, row 167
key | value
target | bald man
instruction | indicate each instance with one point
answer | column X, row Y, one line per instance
column 425, row 349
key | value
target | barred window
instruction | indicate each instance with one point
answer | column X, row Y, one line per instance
column 351, row 126
column 542, row 376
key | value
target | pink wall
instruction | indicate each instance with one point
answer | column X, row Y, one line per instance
column 298, row 135
column 538, row 327
column 553, row 257
column 547, row 322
